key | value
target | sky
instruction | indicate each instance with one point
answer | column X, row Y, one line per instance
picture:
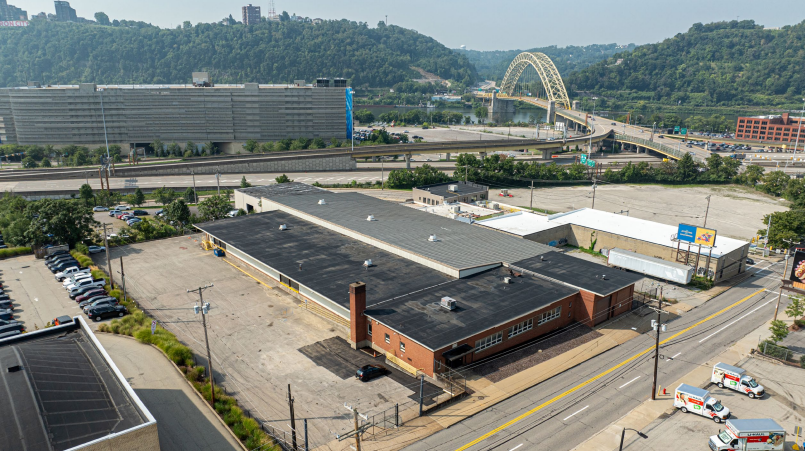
column 480, row 25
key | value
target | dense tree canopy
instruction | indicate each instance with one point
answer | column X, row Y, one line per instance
column 723, row 63
column 269, row 52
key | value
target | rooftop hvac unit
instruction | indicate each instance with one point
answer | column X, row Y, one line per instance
column 455, row 208
column 283, row 227
column 433, row 238
column 367, row 263
column 448, row 303
column 504, row 192
column 507, row 280
column 495, row 206
column 370, row 218
column 322, row 202
column 453, row 188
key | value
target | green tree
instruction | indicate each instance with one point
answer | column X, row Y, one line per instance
column 251, row 146
column 267, row 147
column 191, row 146
column 210, row 148
column 774, row 183
column 796, row 308
column 481, row 113
column 214, row 207
column 164, row 195
column 189, row 195
column 58, row 221
column 29, row 163
column 85, row 193
column 318, row 143
column 779, row 330
column 785, row 225
column 178, row 211
column 45, row 163
column 284, row 17
column 158, row 147
column 102, row 18
column 174, row 150
column 139, row 198
column 686, row 169
column 187, row 25
column 364, row 116
column 283, row 179
column 244, row 183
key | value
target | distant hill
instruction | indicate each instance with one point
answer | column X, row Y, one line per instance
column 269, row 52
column 723, row 63
column 492, row 65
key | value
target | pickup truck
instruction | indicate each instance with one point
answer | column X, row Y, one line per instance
column 70, row 272
column 86, row 283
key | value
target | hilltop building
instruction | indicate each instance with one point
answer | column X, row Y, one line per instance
column 771, row 129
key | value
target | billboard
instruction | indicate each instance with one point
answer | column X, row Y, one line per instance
column 13, row 23
column 797, row 274
column 696, row 235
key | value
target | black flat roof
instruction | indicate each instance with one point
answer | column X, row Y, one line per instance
column 483, row 301
column 464, row 188
column 586, row 275
column 57, row 392
column 330, row 261
column 280, row 189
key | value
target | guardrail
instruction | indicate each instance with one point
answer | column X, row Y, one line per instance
column 662, row 148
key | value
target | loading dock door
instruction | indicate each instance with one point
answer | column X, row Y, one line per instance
column 601, row 310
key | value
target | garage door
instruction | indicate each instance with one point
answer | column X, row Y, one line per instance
column 601, row 310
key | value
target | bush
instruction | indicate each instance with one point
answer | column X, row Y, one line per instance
column 14, row 251
column 235, row 415
column 82, row 248
column 800, row 322
column 771, row 349
column 802, row 361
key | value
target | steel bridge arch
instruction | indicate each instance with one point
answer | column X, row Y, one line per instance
column 547, row 72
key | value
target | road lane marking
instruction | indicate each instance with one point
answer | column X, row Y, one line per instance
column 775, row 292
column 730, row 324
column 579, row 411
column 516, row 447
column 638, row 377
column 578, row 387
column 675, row 356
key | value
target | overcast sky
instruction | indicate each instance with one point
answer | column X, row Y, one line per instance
column 480, row 25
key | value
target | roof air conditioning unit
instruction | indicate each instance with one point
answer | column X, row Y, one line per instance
column 455, row 208
column 367, row 263
column 322, row 202
column 507, row 280
column 433, row 238
column 283, row 227
column 504, row 192
column 448, row 303
column 370, row 218
column 495, row 206
column 453, row 188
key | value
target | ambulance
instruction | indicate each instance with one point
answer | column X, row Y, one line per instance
column 749, row 435
column 736, row 379
column 688, row 398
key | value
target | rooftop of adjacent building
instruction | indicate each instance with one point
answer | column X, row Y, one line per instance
column 61, row 390
column 450, row 189
column 523, row 223
column 165, row 86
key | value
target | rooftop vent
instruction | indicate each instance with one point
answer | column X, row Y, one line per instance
column 452, row 188
column 507, row 280
column 367, row 263
column 370, row 218
column 322, row 202
column 542, row 258
column 433, row 238
column 604, row 276
column 283, row 227
column 448, row 303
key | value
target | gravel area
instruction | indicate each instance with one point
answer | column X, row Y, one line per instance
column 535, row 352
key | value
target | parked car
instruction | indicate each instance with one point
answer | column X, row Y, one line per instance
column 11, row 327
column 9, row 334
column 86, row 283
column 54, row 255
column 133, row 221
column 160, row 212
column 63, row 265
column 90, row 294
column 114, row 212
column 121, row 215
column 96, row 301
column 368, row 372
column 100, row 208
column 140, row 213
column 5, row 322
column 232, row 213
column 122, row 207
column 749, row 261
column 6, row 314
column 75, row 278
column 69, row 272
column 64, row 319
column 83, row 290
column 6, row 304
column 105, row 311
column 57, row 259
column 96, row 249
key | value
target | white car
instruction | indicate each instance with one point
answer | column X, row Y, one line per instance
column 114, row 212
column 122, row 207
column 70, row 272
column 72, row 281
column 232, row 213
column 100, row 208
column 96, row 249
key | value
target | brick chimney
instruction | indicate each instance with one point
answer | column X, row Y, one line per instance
column 357, row 322
column 785, row 119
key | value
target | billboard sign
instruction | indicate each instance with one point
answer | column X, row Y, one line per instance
column 696, row 235
column 13, row 23
column 798, row 270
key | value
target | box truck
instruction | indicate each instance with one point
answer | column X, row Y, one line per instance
column 749, row 435
column 688, row 398
column 736, row 379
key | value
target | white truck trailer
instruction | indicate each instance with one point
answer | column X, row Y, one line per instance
column 650, row 266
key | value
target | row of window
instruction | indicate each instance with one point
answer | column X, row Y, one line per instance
column 387, row 337
column 517, row 329
column 550, row 315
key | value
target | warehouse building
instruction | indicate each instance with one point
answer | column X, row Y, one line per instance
column 450, row 192
column 606, row 230
column 135, row 116
column 60, row 391
column 427, row 301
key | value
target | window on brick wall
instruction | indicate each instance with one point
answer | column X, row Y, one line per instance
column 550, row 315
column 488, row 342
column 517, row 329
column 388, row 339
column 369, row 327
column 402, row 347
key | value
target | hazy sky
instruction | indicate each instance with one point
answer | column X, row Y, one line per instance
column 480, row 25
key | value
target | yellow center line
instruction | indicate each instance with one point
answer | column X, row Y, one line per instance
column 599, row 376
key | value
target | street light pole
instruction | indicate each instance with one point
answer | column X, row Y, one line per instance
column 204, row 310
column 623, row 435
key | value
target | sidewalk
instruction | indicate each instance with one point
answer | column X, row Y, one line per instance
column 183, row 421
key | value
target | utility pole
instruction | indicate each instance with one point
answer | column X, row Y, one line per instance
column 204, row 310
column 698, row 256
column 357, row 428
column 768, row 229
column 293, row 419
column 123, row 276
column 100, row 175
column 657, row 348
column 531, row 204
column 594, row 186
column 195, row 193
column 382, row 172
column 108, row 263
column 218, row 182
column 108, row 186
column 780, row 294
column 421, row 392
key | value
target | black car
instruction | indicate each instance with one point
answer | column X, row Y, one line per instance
column 749, row 261
column 6, row 314
column 6, row 305
column 12, row 327
column 139, row 213
column 368, row 372
column 95, row 301
column 64, row 265
column 55, row 255
column 60, row 260
column 6, row 322
column 105, row 311
column 9, row 334
column 82, row 290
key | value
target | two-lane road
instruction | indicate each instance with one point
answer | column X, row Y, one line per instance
column 567, row 409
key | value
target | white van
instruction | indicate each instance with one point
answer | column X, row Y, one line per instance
column 693, row 399
column 749, row 435
column 736, row 379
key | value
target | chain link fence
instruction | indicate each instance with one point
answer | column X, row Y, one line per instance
column 784, row 354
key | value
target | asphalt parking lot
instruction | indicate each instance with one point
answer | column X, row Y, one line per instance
column 784, row 403
column 261, row 340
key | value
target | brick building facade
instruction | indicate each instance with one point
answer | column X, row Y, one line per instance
column 772, row 129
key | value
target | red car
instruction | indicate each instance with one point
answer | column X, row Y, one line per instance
column 122, row 215
column 90, row 294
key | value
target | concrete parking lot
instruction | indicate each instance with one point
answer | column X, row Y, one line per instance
column 261, row 340
column 784, row 403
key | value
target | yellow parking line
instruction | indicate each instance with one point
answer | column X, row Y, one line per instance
column 244, row 272
column 599, row 376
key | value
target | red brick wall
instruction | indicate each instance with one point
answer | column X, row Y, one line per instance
column 357, row 321
column 624, row 298
column 584, row 310
column 415, row 355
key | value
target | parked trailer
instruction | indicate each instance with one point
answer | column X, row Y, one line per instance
column 650, row 266
column 749, row 435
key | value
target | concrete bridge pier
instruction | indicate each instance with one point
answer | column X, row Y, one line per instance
column 546, row 154
column 500, row 105
column 551, row 116
column 407, row 161
column 448, row 157
column 374, row 159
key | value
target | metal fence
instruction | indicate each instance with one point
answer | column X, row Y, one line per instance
column 769, row 349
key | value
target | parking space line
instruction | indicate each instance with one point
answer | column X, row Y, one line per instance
column 578, row 411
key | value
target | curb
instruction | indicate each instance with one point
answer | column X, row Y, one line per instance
column 204, row 401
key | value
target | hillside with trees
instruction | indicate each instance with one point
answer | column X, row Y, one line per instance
column 492, row 65
column 719, row 64
column 268, row 52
